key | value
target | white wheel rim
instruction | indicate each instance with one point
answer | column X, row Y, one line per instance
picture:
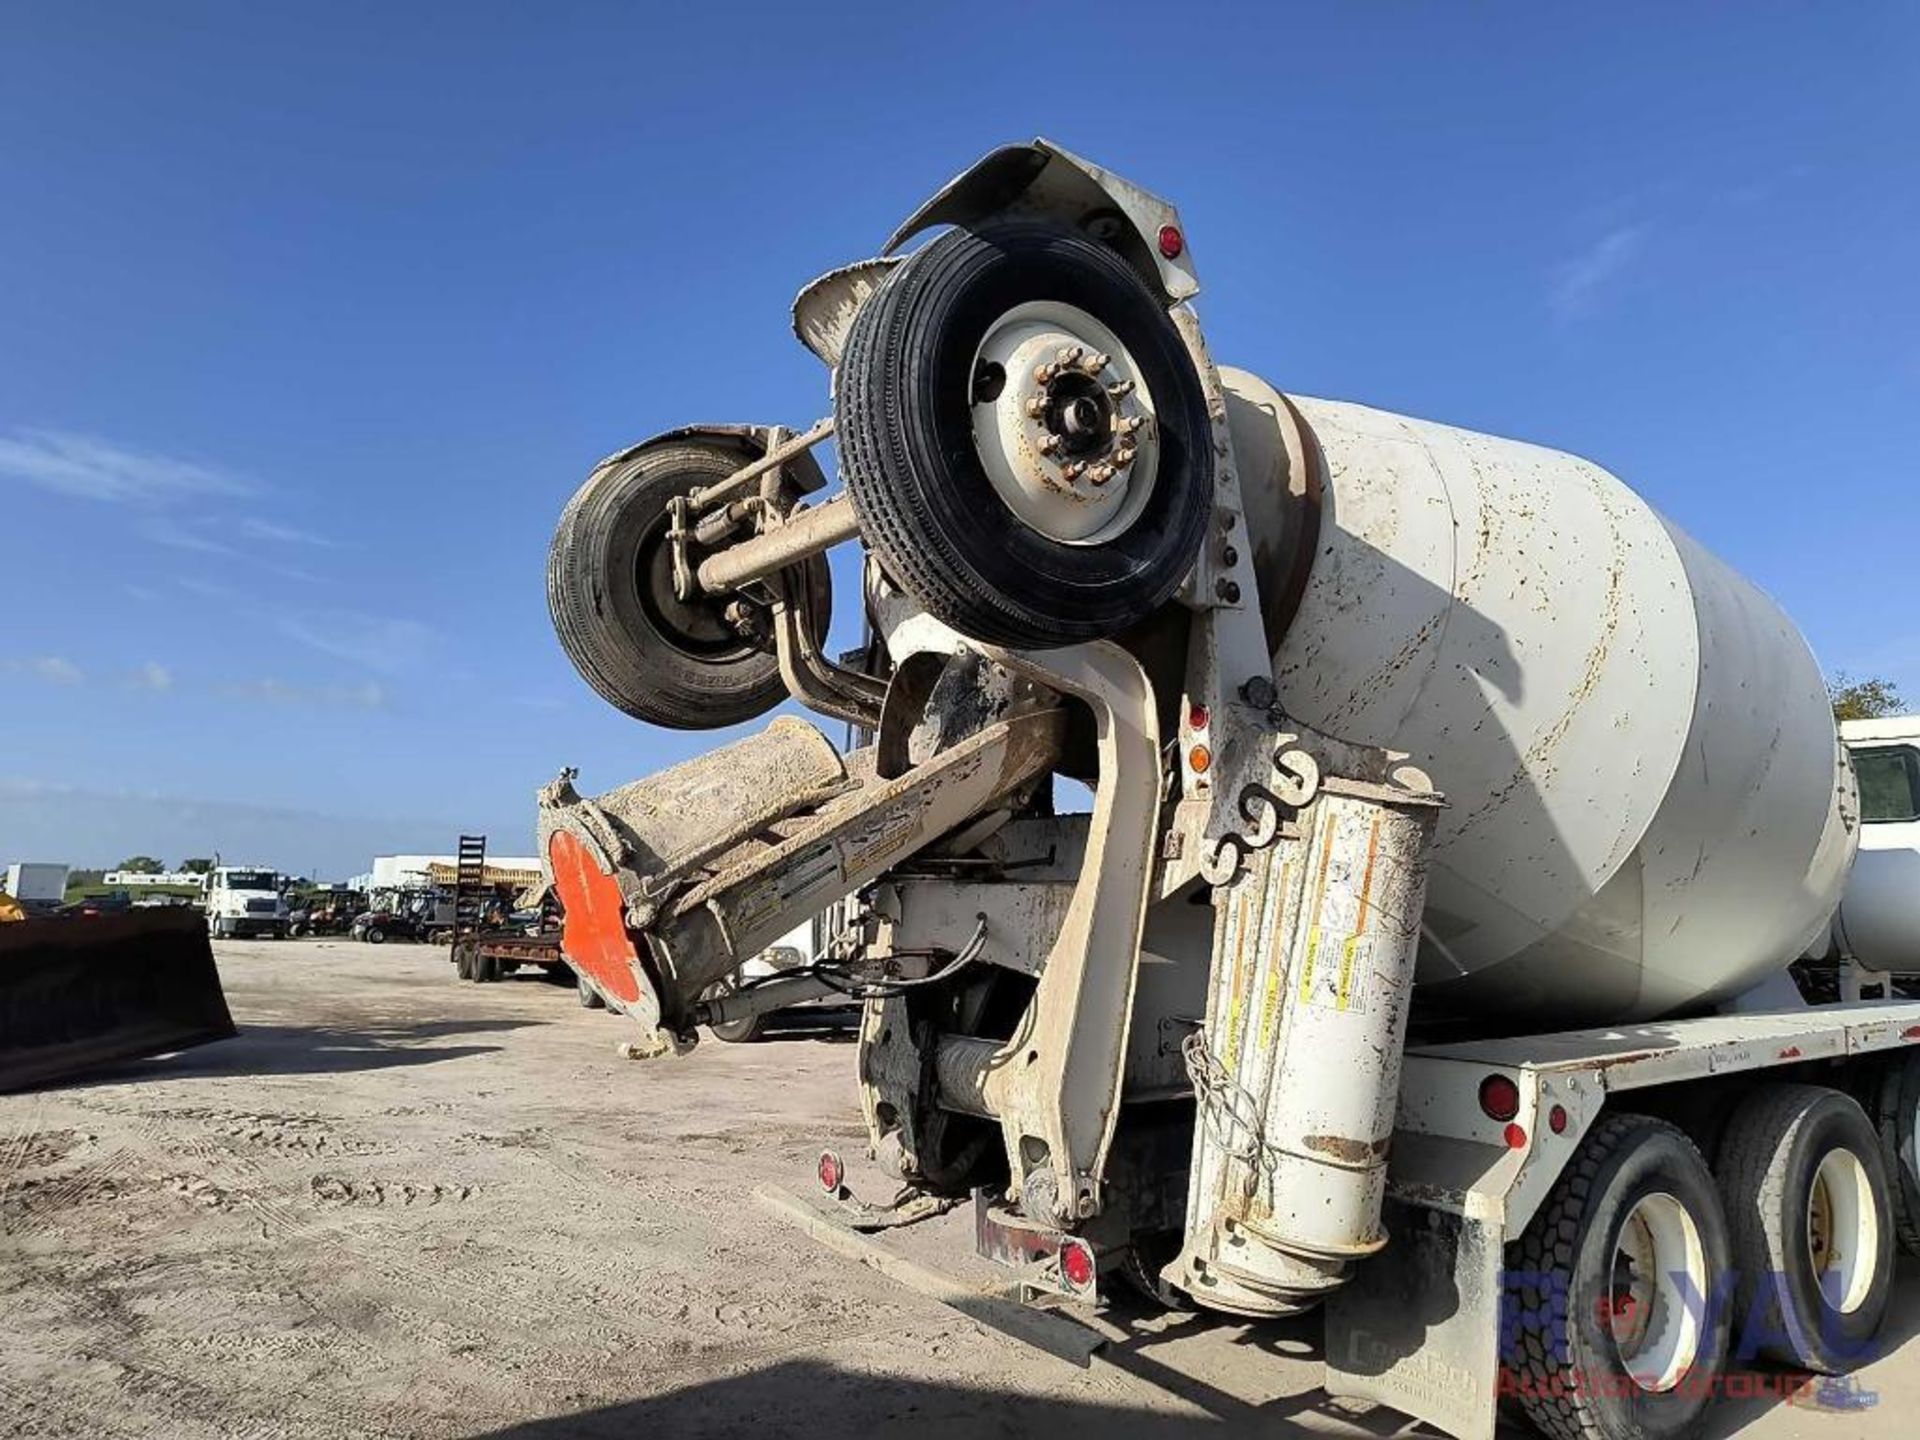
column 1843, row 1230
column 1079, row 484
column 1658, row 1276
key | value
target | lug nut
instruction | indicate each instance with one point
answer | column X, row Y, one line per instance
column 1049, row 443
column 1043, row 373
column 1036, row 407
column 1120, row 389
column 1095, row 363
column 1123, row 457
column 1073, row 469
column 1127, row 425
column 1100, row 474
column 1070, row 354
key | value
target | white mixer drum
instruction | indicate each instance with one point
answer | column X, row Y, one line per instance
column 1648, row 806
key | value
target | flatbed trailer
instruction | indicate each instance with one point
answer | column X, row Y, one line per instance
column 488, row 955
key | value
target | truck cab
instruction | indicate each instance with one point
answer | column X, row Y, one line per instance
column 244, row 901
column 1878, row 924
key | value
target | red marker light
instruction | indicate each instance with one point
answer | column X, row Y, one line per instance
column 1792, row 1052
column 1516, row 1137
column 1499, row 1097
column 1557, row 1119
column 831, row 1172
column 1912, row 1032
column 1076, row 1264
column 1172, row 242
column 1198, row 717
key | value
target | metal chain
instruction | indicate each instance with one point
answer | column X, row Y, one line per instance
column 1230, row 1113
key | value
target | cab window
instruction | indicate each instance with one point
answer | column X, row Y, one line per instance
column 1889, row 783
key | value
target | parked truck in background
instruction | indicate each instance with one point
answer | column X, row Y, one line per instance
column 243, row 902
column 1425, row 956
column 36, row 886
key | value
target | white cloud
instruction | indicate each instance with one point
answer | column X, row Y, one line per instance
column 86, row 468
column 54, row 669
column 153, row 676
column 1577, row 285
column 276, row 533
column 379, row 642
column 204, row 588
column 367, row 696
column 183, row 537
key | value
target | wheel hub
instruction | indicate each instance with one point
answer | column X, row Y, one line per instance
column 1653, row 1328
column 1843, row 1231
column 1062, row 424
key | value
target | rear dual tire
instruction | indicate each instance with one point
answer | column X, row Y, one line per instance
column 1608, row 1345
column 1895, row 1107
column 1811, row 1220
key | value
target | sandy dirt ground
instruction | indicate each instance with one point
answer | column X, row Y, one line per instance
column 403, row 1206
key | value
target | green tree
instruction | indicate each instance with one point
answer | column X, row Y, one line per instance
column 199, row 865
column 1867, row 699
column 141, row 865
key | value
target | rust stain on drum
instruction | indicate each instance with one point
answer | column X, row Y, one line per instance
column 1348, row 1152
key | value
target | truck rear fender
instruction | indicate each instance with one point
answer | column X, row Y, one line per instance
column 1037, row 181
column 1043, row 181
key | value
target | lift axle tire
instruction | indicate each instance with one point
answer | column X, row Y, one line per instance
column 1591, row 1358
column 1807, row 1203
column 610, row 591
column 911, row 426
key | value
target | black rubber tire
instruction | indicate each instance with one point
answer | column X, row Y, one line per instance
column 1583, row 1392
column 609, row 591
column 376, row 936
column 735, row 1032
column 741, row 1032
column 590, row 998
column 1896, row 1115
column 486, row 969
column 1140, row 1268
column 903, row 424
column 1769, row 1152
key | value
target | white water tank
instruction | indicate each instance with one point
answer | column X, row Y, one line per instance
column 1648, row 805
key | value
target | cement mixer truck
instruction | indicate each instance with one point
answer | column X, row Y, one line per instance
column 1424, row 954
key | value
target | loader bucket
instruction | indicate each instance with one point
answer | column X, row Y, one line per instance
column 79, row 992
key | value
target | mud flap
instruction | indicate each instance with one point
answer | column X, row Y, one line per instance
column 1419, row 1328
column 79, row 992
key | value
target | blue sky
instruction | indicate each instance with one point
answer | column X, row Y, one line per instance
column 313, row 316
